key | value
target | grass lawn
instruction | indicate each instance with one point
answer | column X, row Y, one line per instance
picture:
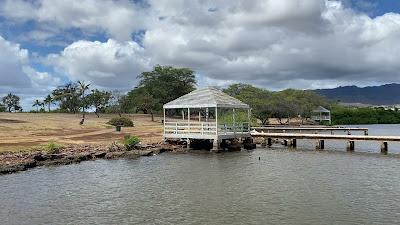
column 27, row 131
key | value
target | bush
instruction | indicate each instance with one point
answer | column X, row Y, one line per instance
column 53, row 148
column 130, row 141
column 121, row 121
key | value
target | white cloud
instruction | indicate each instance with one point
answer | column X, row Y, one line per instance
column 108, row 64
column 17, row 75
column 271, row 43
column 117, row 18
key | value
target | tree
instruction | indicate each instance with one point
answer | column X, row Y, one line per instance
column 38, row 104
column 99, row 100
column 157, row 87
column 11, row 101
column 82, row 86
column 258, row 99
column 144, row 101
column 2, row 108
column 68, row 97
column 48, row 100
column 166, row 83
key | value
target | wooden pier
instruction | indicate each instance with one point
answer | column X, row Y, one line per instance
column 311, row 129
column 290, row 139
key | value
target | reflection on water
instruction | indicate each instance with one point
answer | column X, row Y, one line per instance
column 283, row 187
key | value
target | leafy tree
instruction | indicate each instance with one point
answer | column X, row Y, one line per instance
column 166, row 83
column 99, row 100
column 48, row 101
column 11, row 102
column 68, row 97
column 83, row 87
column 2, row 108
column 258, row 99
column 144, row 101
column 157, row 87
column 38, row 104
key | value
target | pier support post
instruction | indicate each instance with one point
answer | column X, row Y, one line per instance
column 269, row 142
column 294, row 143
column 320, row 145
column 350, row 146
column 366, row 132
column 285, row 142
column 216, row 145
column 384, row 147
column 264, row 143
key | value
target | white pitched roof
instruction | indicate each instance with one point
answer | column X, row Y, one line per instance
column 206, row 97
column 320, row 109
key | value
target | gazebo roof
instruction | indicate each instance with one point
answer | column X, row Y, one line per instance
column 321, row 109
column 206, row 98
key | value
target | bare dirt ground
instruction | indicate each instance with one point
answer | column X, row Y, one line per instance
column 24, row 131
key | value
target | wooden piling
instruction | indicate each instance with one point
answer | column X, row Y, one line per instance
column 294, row 143
column 269, row 142
column 320, row 145
column 384, row 147
column 350, row 146
column 264, row 142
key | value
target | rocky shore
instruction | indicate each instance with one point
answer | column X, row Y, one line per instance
column 14, row 162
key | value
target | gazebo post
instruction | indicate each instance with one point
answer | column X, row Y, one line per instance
column 188, row 119
column 216, row 141
column 199, row 115
column 164, row 121
column 234, row 121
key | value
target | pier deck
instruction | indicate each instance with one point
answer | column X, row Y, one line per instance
column 311, row 129
column 321, row 137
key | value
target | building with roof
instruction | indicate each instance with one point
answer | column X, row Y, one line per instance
column 321, row 114
column 206, row 114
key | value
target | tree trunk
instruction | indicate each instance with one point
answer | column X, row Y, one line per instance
column 49, row 107
column 97, row 114
column 152, row 116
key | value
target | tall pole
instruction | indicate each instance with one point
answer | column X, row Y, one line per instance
column 216, row 121
column 164, row 121
column 188, row 118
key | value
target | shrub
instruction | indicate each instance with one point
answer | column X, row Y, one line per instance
column 130, row 141
column 121, row 121
column 53, row 148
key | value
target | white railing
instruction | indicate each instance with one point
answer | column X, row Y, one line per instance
column 205, row 128
column 318, row 118
column 238, row 128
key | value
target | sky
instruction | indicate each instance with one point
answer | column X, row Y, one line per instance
column 274, row 44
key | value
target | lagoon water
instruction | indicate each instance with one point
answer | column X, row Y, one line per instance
column 265, row 186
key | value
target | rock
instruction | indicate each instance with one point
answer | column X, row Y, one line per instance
column 39, row 156
column 100, row 155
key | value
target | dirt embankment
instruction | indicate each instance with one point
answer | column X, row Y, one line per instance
column 11, row 162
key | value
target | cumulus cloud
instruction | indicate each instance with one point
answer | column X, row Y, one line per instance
column 17, row 75
column 117, row 18
column 271, row 43
column 108, row 64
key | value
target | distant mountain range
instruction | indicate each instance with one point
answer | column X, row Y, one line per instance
column 388, row 94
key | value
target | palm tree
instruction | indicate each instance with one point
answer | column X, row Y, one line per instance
column 37, row 103
column 82, row 88
column 48, row 100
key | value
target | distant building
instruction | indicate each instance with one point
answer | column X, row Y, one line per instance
column 321, row 114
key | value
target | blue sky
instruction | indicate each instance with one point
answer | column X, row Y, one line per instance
column 274, row 44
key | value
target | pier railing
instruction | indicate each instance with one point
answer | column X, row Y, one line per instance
column 205, row 128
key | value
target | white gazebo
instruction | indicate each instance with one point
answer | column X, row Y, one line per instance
column 206, row 113
column 321, row 114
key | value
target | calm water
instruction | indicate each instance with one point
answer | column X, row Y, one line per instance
column 283, row 187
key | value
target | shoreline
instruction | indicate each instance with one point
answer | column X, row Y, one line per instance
column 12, row 162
